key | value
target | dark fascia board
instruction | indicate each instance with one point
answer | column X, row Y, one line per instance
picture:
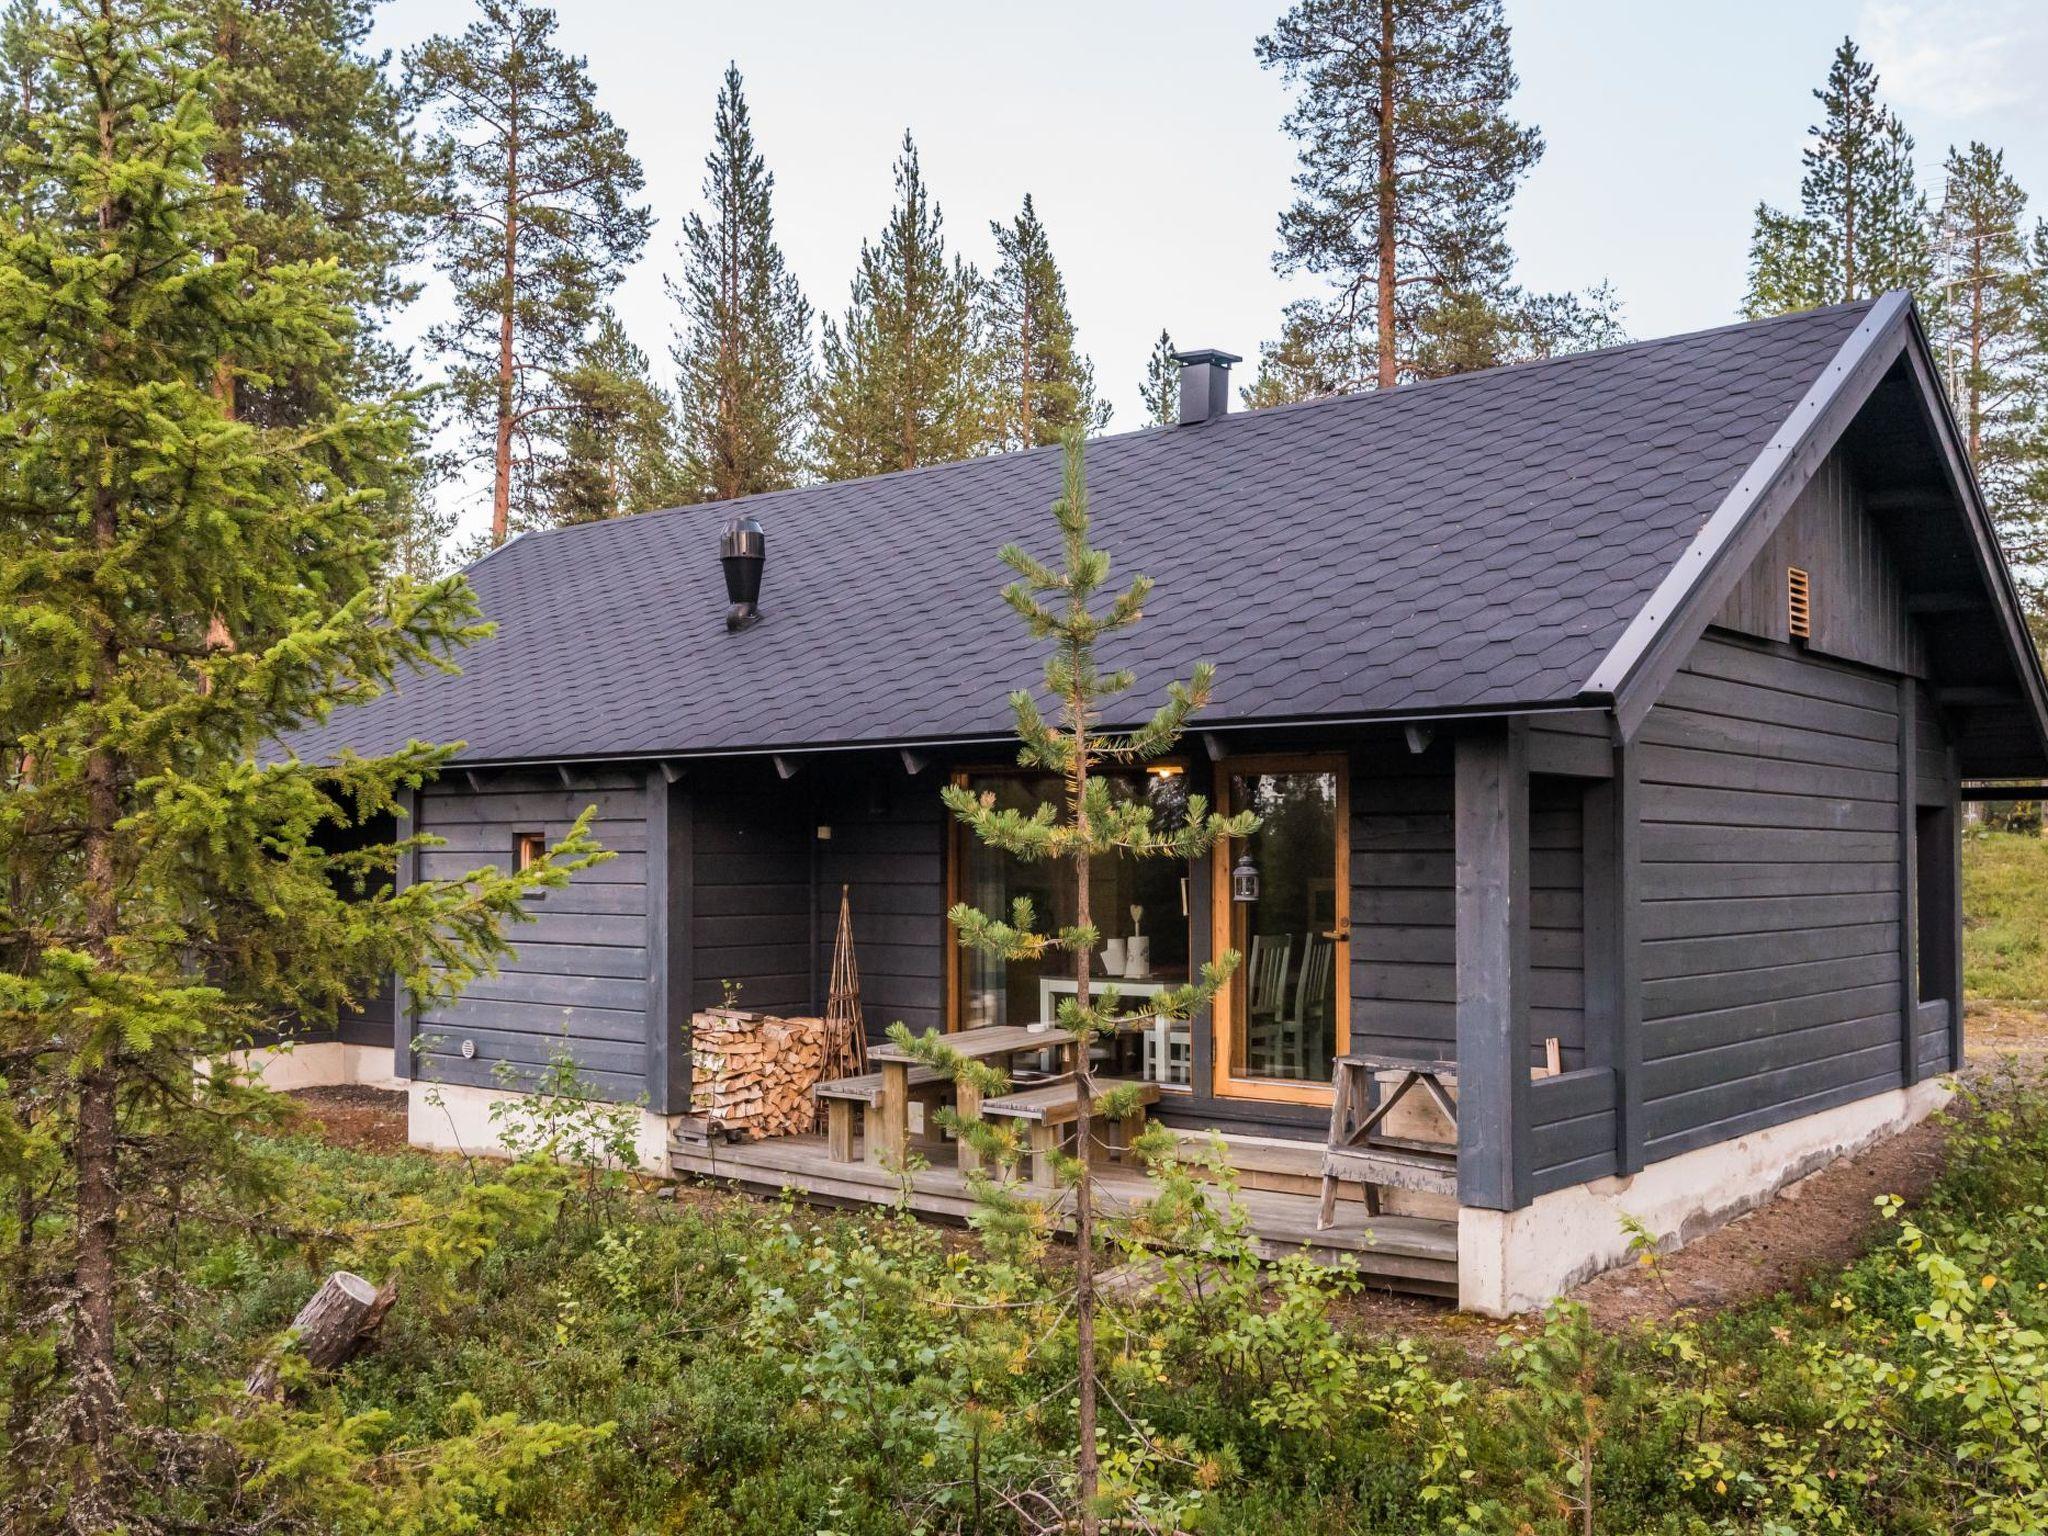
column 1634, row 673
column 680, row 757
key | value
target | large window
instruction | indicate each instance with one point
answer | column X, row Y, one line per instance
column 1139, row 906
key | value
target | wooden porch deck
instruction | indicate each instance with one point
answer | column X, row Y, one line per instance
column 1403, row 1253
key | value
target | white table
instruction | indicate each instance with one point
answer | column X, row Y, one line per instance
column 1052, row 987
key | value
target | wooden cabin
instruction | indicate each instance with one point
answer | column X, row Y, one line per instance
column 1609, row 718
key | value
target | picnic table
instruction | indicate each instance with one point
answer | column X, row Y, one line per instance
column 996, row 1043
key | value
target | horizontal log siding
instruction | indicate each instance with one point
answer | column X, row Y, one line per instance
column 751, row 866
column 1571, row 1128
column 1404, row 975
column 1771, row 912
column 888, row 846
column 578, row 976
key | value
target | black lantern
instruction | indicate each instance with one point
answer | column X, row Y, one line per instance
column 743, row 550
column 1244, row 878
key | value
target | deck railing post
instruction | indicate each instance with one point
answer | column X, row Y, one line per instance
column 1491, row 818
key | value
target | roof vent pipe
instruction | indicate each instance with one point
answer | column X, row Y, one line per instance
column 743, row 550
column 1204, row 384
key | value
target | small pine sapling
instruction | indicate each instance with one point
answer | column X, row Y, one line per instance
column 1058, row 604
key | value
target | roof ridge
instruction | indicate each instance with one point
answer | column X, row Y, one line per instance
column 1562, row 359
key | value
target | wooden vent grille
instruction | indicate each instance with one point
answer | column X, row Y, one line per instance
column 1799, row 603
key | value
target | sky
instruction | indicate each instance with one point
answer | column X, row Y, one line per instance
column 1150, row 140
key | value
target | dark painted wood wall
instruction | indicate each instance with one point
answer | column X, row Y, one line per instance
column 1404, row 976
column 1771, row 889
column 580, row 975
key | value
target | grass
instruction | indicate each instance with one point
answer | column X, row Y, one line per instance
column 749, row 1371
column 2005, row 922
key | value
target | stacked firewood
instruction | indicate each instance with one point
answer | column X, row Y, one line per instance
column 752, row 1073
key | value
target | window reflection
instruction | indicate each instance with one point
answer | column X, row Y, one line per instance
column 1139, row 907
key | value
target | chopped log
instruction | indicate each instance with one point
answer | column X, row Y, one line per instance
column 330, row 1327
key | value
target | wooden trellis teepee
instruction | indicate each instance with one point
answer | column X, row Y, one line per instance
column 846, row 1034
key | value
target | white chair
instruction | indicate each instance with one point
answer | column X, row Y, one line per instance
column 1169, row 1052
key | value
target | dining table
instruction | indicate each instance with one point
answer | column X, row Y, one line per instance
column 998, row 1044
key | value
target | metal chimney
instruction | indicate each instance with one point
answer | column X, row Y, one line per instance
column 743, row 550
column 1204, row 384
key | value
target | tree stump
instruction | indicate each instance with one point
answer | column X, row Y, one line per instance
column 330, row 1327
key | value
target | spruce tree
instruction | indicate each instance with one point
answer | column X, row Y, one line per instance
column 743, row 352
column 1409, row 160
column 1061, row 604
column 1161, row 390
column 183, row 588
column 903, row 381
column 1861, row 229
column 1040, row 388
column 536, row 227
column 618, row 450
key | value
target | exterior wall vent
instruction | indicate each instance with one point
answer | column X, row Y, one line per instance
column 1798, row 603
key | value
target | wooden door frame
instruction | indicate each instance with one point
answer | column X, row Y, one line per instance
column 1221, row 1016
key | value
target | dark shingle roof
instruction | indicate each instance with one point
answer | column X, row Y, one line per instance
column 1477, row 542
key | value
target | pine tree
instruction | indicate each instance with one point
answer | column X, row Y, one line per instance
column 184, row 588
column 1161, row 390
column 1409, row 160
column 1059, row 603
column 618, row 451
column 536, row 226
column 1040, row 387
column 314, row 138
column 2018, row 477
column 903, row 381
column 1987, row 282
column 743, row 353
column 1861, row 229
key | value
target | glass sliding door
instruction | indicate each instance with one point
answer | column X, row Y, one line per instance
column 1139, row 906
column 1284, row 894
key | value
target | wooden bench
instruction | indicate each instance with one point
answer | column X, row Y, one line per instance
column 1359, row 1152
column 1048, row 1107
column 843, row 1095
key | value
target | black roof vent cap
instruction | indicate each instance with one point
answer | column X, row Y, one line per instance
column 1204, row 383
column 743, row 550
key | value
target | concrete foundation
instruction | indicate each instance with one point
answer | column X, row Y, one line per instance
column 319, row 1064
column 450, row 1117
column 1518, row 1261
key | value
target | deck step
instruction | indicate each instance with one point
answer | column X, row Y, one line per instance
column 1406, row 1253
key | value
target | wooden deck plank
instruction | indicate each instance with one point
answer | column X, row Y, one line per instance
column 1406, row 1252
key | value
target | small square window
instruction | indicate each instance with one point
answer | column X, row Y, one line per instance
column 528, row 849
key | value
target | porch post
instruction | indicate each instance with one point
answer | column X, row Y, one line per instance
column 1492, row 839
column 671, row 895
column 407, row 824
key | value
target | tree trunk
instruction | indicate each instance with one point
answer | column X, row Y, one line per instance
column 331, row 1327
column 1087, row 1472
column 228, row 172
column 1389, row 247
column 501, row 462
column 95, row 1147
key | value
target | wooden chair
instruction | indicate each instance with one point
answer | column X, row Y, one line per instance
column 1304, row 1026
column 1360, row 1152
column 1271, row 961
